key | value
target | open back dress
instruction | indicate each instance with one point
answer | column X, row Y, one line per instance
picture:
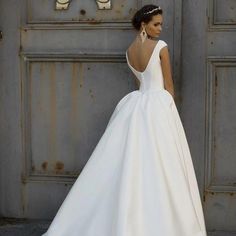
column 139, row 179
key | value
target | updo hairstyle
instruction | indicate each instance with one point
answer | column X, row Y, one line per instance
column 145, row 14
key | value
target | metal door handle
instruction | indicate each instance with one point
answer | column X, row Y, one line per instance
column 62, row 4
column 104, row 4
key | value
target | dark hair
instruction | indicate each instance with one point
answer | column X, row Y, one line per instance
column 143, row 15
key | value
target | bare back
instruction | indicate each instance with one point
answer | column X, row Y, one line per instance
column 140, row 53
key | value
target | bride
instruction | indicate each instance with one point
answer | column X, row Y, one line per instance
column 140, row 179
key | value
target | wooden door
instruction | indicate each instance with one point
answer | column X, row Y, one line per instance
column 208, row 95
column 220, row 193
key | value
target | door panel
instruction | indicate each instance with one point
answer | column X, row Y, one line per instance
column 220, row 197
column 60, row 95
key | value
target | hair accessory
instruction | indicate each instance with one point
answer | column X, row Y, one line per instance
column 155, row 9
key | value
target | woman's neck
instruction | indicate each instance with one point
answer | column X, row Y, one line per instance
column 149, row 37
column 152, row 38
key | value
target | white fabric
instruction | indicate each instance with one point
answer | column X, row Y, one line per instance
column 139, row 180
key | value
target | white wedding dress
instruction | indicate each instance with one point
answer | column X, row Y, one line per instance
column 139, row 180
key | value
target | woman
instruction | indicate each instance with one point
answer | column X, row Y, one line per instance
column 139, row 180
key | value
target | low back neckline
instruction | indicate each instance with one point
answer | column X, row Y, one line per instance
column 149, row 61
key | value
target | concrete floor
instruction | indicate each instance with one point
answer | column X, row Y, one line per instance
column 12, row 227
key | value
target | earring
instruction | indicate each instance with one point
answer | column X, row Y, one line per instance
column 143, row 35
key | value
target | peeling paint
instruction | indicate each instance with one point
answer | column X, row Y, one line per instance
column 59, row 166
column 44, row 165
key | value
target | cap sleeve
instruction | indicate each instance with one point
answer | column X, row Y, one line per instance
column 162, row 44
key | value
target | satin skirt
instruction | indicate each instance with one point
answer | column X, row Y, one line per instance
column 139, row 180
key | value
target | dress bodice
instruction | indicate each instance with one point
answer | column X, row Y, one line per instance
column 151, row 78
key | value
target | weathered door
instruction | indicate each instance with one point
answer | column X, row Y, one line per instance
column 220, row 195
column 208, row 90
column 62, row 73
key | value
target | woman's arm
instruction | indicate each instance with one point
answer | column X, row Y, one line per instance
column 166, row 70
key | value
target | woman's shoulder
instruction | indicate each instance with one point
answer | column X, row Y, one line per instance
column 162, row 43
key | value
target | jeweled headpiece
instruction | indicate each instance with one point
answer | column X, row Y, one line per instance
column 155, row 9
